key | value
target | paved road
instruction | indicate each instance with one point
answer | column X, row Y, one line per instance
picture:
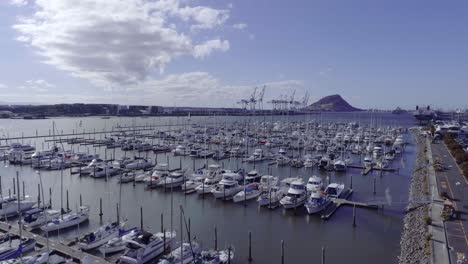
column 456, row 186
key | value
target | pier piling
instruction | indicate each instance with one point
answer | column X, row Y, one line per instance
column 323, row 255
column 81, row 200
column 250, row 246
column 354, row 215
column 216, row 238
column 141, row 217
column 14, row 187
column 68, row 205
column 282, row 251
column 24, row 191
column 38, row 195
column 162, row 222
column 374, row 184
column 117, row 211
column 100, row 209
column 50, row 197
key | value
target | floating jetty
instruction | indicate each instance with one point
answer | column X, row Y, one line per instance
column 54, row 246
column 343, row 200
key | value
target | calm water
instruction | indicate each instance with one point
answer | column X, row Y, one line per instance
column 374, row 240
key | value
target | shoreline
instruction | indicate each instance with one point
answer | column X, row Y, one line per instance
column 415, row 241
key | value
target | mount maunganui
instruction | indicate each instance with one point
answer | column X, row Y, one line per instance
column 332, row 103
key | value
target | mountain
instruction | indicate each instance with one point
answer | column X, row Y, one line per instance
column 332, row 103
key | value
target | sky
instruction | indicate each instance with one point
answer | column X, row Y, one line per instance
column 376, row 54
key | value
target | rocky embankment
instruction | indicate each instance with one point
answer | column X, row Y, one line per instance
column 414, row 243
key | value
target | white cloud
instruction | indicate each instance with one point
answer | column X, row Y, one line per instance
column 240, row 26
column 40, row 86
column 19, row 2
column 205, row 49
column 112, row 42
column 3, row 86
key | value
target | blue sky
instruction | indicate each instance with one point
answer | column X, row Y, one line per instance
column 376, row 54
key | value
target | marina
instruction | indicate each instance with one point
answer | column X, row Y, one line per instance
column 138, row 171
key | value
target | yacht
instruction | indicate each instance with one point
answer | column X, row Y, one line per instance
column 390, row 155
column 296, row 196
column 67, row 220
column 9, row 205
column 106, row 170
column 309, row 162
column 161, row 171
column 257, row 156
column 227, row 187
column 91, row 167
column 216, row 257
column 314, row 184
column 99, row 237
column 282, row 160
column 175, row 179
column 192, row 184
column 37, row 217
column 252, row 176
column 139, row 164
column 145, row 247
column 250, row 191
column 368, row 161
column 180, row 150
column 268, row 181
column 186, row 253
column 334, row 190
column 119, row 243
column 317, row 202
column 339, row 165
column 127, row 177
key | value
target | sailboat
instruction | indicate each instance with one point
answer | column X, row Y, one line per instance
column 99, row 237
column 67, row 220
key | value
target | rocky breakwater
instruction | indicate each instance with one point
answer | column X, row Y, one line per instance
column 414, row 242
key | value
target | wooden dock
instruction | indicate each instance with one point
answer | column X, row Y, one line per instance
column 366, row 170
column 64, row 250
column 343, row 200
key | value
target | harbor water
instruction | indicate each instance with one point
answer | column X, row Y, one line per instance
column 375, row 239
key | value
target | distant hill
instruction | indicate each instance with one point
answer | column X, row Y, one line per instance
column 332, row 103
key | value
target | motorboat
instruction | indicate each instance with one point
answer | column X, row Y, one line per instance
column 368, row 161
column 250, row 191
column 119, row 243
column 390, row 155
column 37, row 217
column 43, row 257
column 106, row 170
column 175, row 179
column 180, row 150
column 193, row 183
column 309, row 162
column 67, row 220
column 99, row 237
column 256, row 156
column 139, row 164
column 160, row 172
column 9, row 205
column 339, row 165
column 282, row 160
column 317, row 202
column 252, row 176
column 216, row 257
column 146, row 247
column 91, row 167
column 268, row 181
column 334, row 190
column 296, row 196
column 314, row 184
column 227, row 187
column 186, row 253
column 127, row 177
